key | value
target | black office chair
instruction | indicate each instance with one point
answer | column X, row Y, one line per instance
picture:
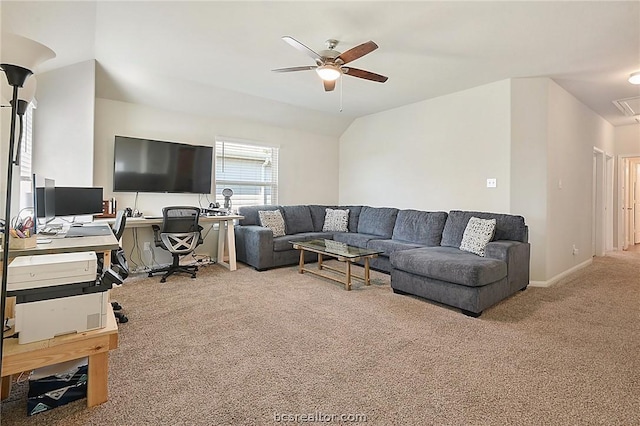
column 119, row 261
column 180, row 235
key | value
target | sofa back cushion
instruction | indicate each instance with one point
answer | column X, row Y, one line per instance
column 377, row 221
column 354, row 216
column 317, row 216
column 250, row 214
column 508, row 227
column 297, row 219
column 424, row 228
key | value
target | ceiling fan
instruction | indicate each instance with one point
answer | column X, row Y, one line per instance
column 330, row 64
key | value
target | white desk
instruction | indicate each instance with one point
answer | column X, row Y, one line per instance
column 226, row 234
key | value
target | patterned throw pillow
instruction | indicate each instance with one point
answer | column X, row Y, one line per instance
column 477, row 235
column 273, row 220
column 336, row 220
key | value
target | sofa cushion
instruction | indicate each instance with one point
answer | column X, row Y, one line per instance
column 508, row 227
column 336, row 220
column 354, row 239
column 390, row 246
column 250, row 214
column 424, row 228
column 273, row 220
column 477, row 235
column 450, row 264
column 354, row 216
column 284, row 243
column 317, row 215
column 377, row 221
column 297, row 219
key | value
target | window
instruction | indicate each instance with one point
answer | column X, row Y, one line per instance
column 249, row 169
column 26, row 150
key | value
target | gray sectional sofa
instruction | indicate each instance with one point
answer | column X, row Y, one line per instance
column 420, row 249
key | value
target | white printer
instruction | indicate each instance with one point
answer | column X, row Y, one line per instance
column 56, row 294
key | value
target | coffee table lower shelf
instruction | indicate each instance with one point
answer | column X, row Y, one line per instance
column 346, row 273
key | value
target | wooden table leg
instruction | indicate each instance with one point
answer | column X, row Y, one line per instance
column 301, row 268
column 319, row 261
column 5, row 387
column 97, row 383
column 348, row 276
column 367, row 280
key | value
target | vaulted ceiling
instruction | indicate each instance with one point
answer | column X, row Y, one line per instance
column 215, row 58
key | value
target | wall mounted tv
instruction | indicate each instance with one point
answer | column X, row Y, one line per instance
column 144, row 165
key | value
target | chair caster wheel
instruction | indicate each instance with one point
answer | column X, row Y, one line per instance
column 163, row 280
column 193, row 276
column 196, row 269
column 123, row 319
column 150, row 274
column 116, row 306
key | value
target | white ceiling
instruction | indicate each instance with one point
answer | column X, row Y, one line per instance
column 215, row 58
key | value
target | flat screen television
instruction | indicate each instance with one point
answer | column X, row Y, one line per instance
column 144, row 165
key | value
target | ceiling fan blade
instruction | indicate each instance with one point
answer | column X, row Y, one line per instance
column 367, row 75
column 357, row 52
column 301, row 47
column 329, row 85
column 290, row 69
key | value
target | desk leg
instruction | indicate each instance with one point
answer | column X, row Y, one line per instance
column 227, row 240
column 231, row 245
column 97, row 383
column 5, row 387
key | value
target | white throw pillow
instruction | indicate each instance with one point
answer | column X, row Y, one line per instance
column 336, row 220
column 273, row 220
column 477, row 235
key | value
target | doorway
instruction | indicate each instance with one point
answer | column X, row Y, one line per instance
column 629, row 201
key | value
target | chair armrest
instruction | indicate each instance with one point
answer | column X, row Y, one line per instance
column 517, row 256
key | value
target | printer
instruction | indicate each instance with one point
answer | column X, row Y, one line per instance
column 57, row 294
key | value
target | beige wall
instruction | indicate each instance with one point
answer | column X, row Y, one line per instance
column 63, row 130
column 431, row 155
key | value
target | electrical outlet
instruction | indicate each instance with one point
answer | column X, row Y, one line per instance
column 492, row 183
column 575, row 250
column 147, row 246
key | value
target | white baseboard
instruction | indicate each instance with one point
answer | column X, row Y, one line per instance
column 560, row 276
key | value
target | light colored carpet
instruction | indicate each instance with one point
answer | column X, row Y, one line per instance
column 239, row 347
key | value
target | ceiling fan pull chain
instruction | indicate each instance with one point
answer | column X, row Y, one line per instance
column 341, row 83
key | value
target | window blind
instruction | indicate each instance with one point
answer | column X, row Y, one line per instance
column 249, row 169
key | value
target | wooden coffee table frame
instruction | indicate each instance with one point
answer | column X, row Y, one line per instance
column 346, row 272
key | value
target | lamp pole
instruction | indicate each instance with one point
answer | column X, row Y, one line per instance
column 16, row 76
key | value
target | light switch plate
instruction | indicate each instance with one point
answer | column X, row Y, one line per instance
column 492, row 183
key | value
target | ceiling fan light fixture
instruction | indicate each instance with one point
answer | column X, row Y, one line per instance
column 634, row 78
column 329, row 72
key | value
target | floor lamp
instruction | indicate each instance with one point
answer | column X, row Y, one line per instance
column 19, row 56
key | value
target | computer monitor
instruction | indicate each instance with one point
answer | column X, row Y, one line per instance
column 77, row 201
column 45, row 201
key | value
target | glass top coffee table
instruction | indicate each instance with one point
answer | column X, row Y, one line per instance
column 340, row 251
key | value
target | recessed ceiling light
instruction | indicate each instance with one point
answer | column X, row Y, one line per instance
column 635, row 78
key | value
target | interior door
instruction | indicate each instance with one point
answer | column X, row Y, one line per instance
column 636, row 203
column 626, row 206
